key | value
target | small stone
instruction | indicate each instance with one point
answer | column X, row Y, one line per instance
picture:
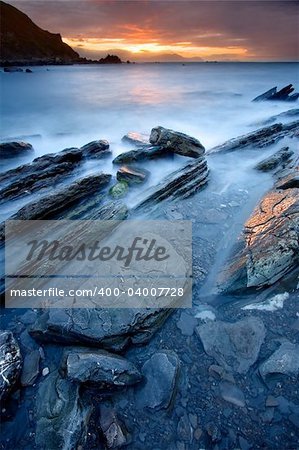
column 30, row 368
column 232, row 394
column 132, row 175
column 285, row 361
column 271, row 401
column 186, row 324
column 198, row 433
column 45, row 371
column 184, row 429
column 119, row 190
column 193, row 420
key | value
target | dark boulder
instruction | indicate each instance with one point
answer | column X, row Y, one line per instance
column 141, row 154
column 100, row 368
column 28, row 71
column 10, row 363
column 132, row 175
column 284, row 94
column 280, row 158
column 176, row 142
column 113, row 429
column 12, row 149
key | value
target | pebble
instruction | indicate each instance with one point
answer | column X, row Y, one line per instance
column 45, row 371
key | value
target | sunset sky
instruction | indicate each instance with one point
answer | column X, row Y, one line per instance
column 154, row 30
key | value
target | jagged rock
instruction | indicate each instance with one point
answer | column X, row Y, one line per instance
column 110, row 329
column 284, row 361
column 268, row 248
column 181, row 184
column 161, row 376
column 30, row 369
column 132, row 175
column 100, row 368
column 258, row 139
column 290, row 181
column 114, row 430
column 285, row 114
column 176, row 142
column 96, row 149
column 234, row 346
column 12, row 149
column 10, row 363
column 119, row 190
column 61, row 418
column 284, row 94
column 28, row 71
column 281, row 157
column 136, row 139
column 141, row 154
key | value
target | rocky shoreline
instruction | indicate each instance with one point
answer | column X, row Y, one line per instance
column 165, row 379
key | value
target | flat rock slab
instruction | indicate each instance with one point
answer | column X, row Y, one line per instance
column 96, row 149
column 30, row 368
column 235, row 346
column 132, row 175
column 61, row 418
column 232, row 394
column 284, row 361
column 113, row 429
column 110, row 329
column 99, row 367
column 10, row 363
column 176, row 142
column 161, row 374
column 12, row 149
column 141, row 154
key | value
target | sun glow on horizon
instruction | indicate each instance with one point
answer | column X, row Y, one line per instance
column 185, row 49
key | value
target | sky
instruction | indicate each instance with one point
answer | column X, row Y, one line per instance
column 173, row 30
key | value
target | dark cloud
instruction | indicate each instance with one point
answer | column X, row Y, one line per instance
column 267, row 29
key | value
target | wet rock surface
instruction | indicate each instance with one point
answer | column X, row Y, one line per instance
column 100, row 368
column 10, row 363
column 12, row 149
column 284, row 361
column 176, row 142
column 141, row 154
column 137, row 139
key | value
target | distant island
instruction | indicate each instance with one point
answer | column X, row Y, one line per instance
column 25, row 43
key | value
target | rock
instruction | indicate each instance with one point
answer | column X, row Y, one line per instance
column 176, row 142
column 61, row 418
column 233, row 345
column 132, row 175
column 232, row 394
column 113, row 429
column 284, row 361
column 52, row 205
column 281, row 157
column 285, row 114
column 100, row 368
column 12, row 149
column 30, row 368
column 119, row 190
column 258, row 139
column 45, row 371
column 268, row 248
column 96, row 149
column 161, row 374
column 43, row 172
column 283, row 94
column 12, row 69
column 184, row 429
column 10, row 363
column 186, row 324
column 136, row 139
column 28, row 71
column 288, row 182
column 111, row 329
column 181, row 184
column 140, row 154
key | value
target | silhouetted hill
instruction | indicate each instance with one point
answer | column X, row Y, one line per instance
column 24, row 42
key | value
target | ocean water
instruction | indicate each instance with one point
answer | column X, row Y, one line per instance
column 71, row 105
